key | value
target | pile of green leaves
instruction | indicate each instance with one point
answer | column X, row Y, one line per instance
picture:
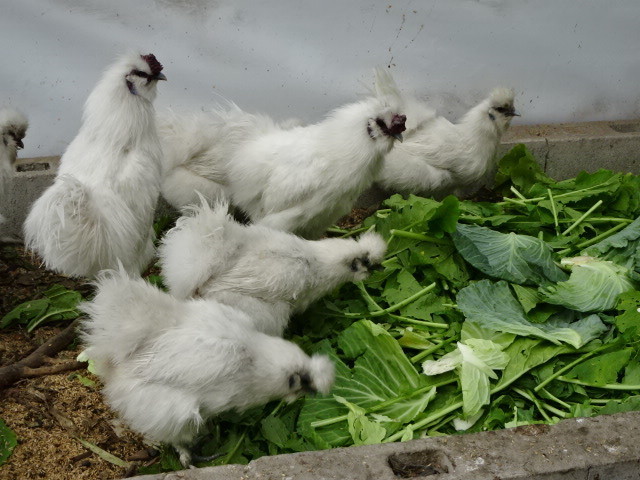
column 486, row 316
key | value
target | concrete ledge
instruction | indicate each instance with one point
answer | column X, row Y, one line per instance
column 600, row 448
column 31, row 177
column 563, row 150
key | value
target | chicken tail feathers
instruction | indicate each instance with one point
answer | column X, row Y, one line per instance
column 76, row 232
column 124, row 314
column 187, row 250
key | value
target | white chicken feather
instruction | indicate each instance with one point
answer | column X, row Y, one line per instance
column 294, row 178
column 13, row 128
column 439, row 158
column 267, row 273
column 303, row 179
column 100, row 208
column 168, row 365
column 197, row 145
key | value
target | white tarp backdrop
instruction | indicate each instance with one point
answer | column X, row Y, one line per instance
column 568, row 60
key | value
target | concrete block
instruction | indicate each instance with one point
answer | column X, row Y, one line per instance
column 565, row 149
column 600, row 448
column 30, row 178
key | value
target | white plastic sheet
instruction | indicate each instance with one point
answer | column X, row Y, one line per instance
column 567, row 60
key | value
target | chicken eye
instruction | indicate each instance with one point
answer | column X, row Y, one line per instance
column 306, row 383
column 139, row 73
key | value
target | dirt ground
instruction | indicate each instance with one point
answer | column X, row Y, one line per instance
column 51, row 415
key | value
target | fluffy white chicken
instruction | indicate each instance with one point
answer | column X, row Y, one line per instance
column 13, row 128
column 100, row 208
column 197, row 145
column 294, row 178
column 439, row 158
column 267, row 273
column 303, row 179
column 168, row 365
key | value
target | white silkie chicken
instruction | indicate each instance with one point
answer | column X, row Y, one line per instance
column 196, row 147
column 267, row 273
column 439, row 158
column 100, row 208
column 13, row 128
column 294, row 178
column 168, row 365
column 303, row 179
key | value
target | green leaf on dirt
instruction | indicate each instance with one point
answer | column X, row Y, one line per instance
column 8, row 441
column 59, row 304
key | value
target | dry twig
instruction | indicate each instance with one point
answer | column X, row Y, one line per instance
column 31, row 365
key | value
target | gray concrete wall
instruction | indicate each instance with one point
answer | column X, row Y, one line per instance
column 564, row 149
column 601, row 448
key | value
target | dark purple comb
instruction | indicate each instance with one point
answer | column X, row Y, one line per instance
column 397, row 124
column 154, row 64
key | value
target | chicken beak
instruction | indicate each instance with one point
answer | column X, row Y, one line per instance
column 160, row 76
column 19, row 144
column 511, row 112
column 398, row 136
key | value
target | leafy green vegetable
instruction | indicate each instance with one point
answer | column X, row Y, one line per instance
column 594, row 286
column 58, row 304
column 517, row 258
column 8, row 441
column 382, row 381
column 629, row 304
column 627, row 405
column 475, row 362
column 363, row 431
column 493, row 306
column 474, row 292
column 520, row 168
column 602, row 369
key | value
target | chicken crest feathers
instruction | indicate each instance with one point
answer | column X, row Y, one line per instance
column 375, row 245
column 13, row 120
column 322, row 371
column 386, row 88
column 502, row 95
